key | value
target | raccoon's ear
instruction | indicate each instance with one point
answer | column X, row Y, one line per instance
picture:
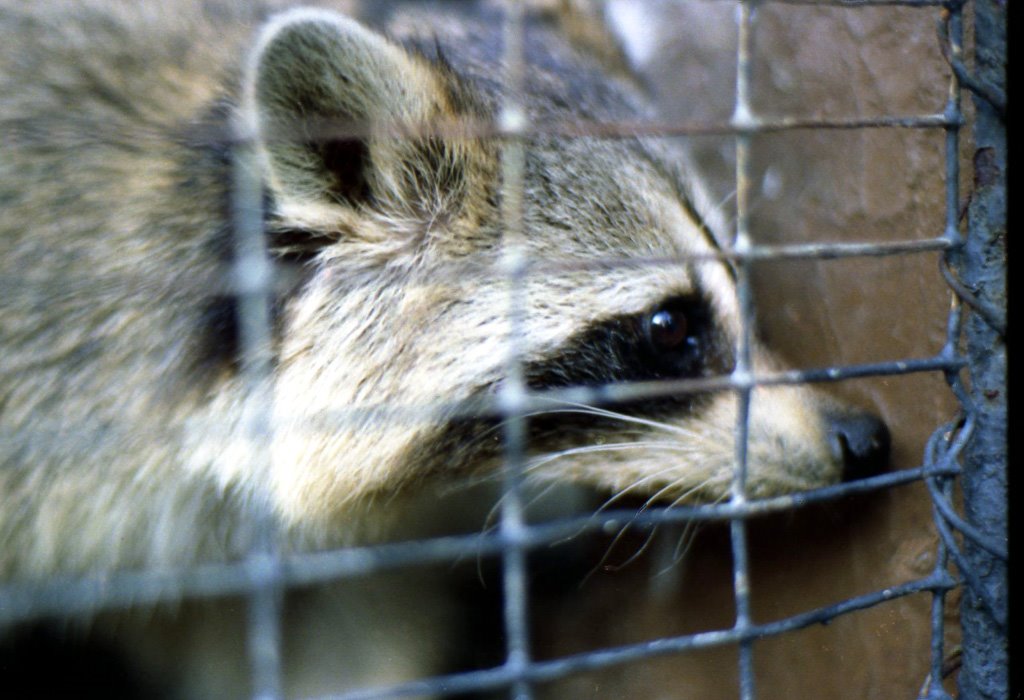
column 336, row 108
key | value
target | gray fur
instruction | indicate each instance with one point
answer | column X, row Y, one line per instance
column 121, row 411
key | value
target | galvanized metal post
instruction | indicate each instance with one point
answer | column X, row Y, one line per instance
column 984, row 675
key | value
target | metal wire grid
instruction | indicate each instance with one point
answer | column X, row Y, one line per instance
column 265, row 574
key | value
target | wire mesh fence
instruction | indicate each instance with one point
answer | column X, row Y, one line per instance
column 967, row 453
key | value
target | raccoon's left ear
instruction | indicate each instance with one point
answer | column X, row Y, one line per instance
column 341, row 115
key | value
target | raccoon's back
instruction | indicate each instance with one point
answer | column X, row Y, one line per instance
column 111, row 236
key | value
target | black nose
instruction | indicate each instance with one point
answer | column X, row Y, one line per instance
column 862, row 442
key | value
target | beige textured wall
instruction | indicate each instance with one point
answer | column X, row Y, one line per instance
column 862, row 185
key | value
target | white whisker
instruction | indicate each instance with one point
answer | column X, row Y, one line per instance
column 605, row 413
column 611, row 447
column 620, row 494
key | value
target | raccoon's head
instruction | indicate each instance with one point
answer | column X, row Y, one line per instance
column 394, row 204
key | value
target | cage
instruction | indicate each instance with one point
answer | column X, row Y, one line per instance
column 838, row 137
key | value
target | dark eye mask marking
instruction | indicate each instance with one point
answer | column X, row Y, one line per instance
column 676, row 339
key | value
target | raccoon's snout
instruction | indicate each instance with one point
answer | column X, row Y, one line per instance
column 860, row 441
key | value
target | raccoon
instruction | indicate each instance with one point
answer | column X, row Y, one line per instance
column 125, row 409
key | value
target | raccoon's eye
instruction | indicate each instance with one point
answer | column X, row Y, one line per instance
column 675, row 335
column 667, row 330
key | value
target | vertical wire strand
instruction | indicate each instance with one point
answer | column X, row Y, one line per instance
column 743, row 119
column 934, row 689
column 253, row 285
column 513, row 124
column 954, row 116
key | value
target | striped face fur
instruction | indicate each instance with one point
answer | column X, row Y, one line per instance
column 407, row 302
